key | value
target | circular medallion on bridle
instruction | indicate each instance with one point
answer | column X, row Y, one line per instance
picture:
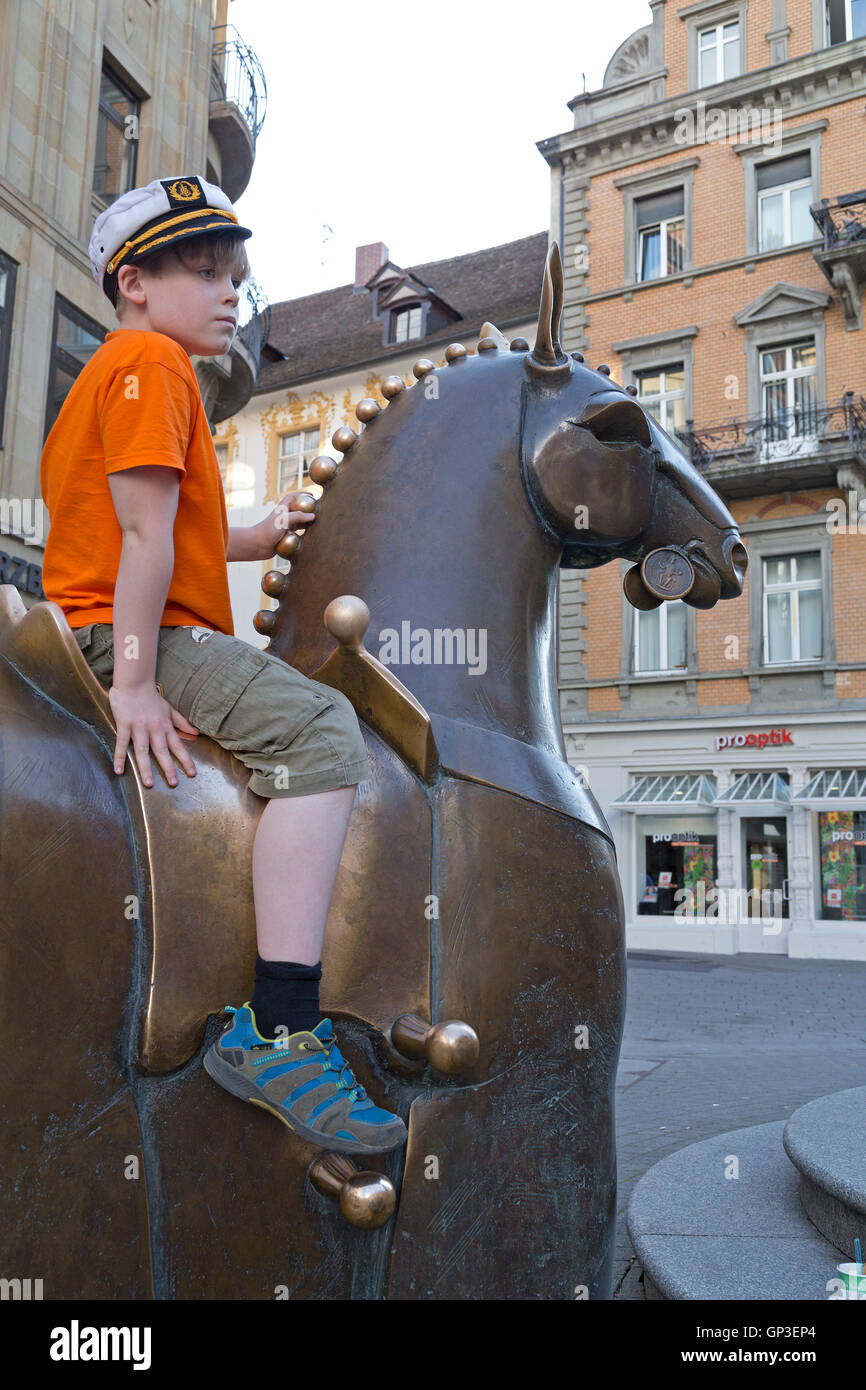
column 667, row 573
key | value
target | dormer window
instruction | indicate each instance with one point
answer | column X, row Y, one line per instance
column 406, row 324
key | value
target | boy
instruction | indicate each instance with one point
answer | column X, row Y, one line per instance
column 136, row 557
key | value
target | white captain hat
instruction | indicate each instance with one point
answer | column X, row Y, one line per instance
column 145, row 220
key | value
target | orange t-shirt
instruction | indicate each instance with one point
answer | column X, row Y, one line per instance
column 137, row 401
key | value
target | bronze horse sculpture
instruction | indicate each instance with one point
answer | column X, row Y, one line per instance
column 474, row 958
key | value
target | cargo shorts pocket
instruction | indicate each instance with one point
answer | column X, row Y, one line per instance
column 94, row 638
column 96, row 641
column 214, row 691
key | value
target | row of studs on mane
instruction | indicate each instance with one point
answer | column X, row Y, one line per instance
column 324, row 468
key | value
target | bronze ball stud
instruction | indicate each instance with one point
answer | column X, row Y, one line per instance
column 449, row 1047
column 264, row 621
column 422, row 367
column 367, row 1199
column 323, row 469
column 392, row 386
column 288, row 546
column 343, row 438
column 455, row 352
column 274, row 582
column 367, row 409
column 519, row 345
column 347, row 619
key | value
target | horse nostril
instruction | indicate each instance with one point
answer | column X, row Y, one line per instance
column 621, row 421
column 738, row 559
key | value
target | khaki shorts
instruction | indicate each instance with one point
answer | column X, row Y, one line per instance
column 295, row 735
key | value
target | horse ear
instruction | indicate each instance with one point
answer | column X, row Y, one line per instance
column 547, row 351
column 489, row 330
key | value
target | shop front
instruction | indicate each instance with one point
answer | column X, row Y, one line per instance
column 760, row 847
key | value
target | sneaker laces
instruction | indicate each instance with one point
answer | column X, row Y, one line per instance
column 355, row 1089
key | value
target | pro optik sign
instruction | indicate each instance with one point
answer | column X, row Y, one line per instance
column 776, row 737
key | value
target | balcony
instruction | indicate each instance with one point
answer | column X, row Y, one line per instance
column 227, row 382
column 804, row 448
column 238, row 100
column 842, row 224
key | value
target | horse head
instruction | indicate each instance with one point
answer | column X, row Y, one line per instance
column 608, row 482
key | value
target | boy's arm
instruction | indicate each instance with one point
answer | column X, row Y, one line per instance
column 145, row 502
column 242, row 545
column 260, row 542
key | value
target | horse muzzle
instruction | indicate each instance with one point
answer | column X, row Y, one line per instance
column 687, row 573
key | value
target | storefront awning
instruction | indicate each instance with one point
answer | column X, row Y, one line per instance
column 685, row 789
column 844, row 788
column 757, row 789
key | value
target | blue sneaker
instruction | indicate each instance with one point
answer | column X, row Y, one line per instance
column 306, row 1082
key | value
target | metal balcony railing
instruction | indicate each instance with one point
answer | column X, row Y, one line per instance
column 254, row 318
column 841, row 221
column 766, row 437
column 237, row 76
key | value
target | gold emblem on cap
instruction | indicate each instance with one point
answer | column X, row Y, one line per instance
column 183, row 190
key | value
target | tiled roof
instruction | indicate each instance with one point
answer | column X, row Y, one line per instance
column 334, row 330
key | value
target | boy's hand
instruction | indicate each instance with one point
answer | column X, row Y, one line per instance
column 282, row 520
column 148, row 721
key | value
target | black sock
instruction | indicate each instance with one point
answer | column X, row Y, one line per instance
column 286, row 992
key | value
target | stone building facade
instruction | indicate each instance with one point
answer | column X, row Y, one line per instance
column 98, row 97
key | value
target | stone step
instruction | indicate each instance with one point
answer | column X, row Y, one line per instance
column 825, row 1140
column 701, row 1235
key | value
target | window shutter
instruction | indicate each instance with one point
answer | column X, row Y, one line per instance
column 659, row 207
column 796, row 166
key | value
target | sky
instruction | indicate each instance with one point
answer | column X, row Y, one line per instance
column 414, row 125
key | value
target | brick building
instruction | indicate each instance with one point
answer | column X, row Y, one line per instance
column 710, row 205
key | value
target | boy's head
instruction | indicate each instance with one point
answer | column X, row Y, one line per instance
column 170, row 257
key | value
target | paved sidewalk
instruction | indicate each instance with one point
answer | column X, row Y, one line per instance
column 714, row 1043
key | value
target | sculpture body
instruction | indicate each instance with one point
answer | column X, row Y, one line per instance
column 478, row 882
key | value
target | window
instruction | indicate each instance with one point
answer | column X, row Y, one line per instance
column 718, row 53
column 792, row 608
column 844, row 20
column 660, row 227
column 660, row 638
column 663, row 392
column 76, row 338
column 842, row 836
column 784, row 189
column 788, row 396
column 675, row 859
column 406, row 324
column 116, row 138
column 297, row 452
column 8, row 270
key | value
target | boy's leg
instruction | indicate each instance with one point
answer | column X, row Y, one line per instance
column 303, row 744
column 292, row 909
column 290, row 926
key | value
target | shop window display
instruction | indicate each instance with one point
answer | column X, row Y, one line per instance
column 843, row 865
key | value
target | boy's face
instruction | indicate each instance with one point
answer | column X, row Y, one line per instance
column 196, row 304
